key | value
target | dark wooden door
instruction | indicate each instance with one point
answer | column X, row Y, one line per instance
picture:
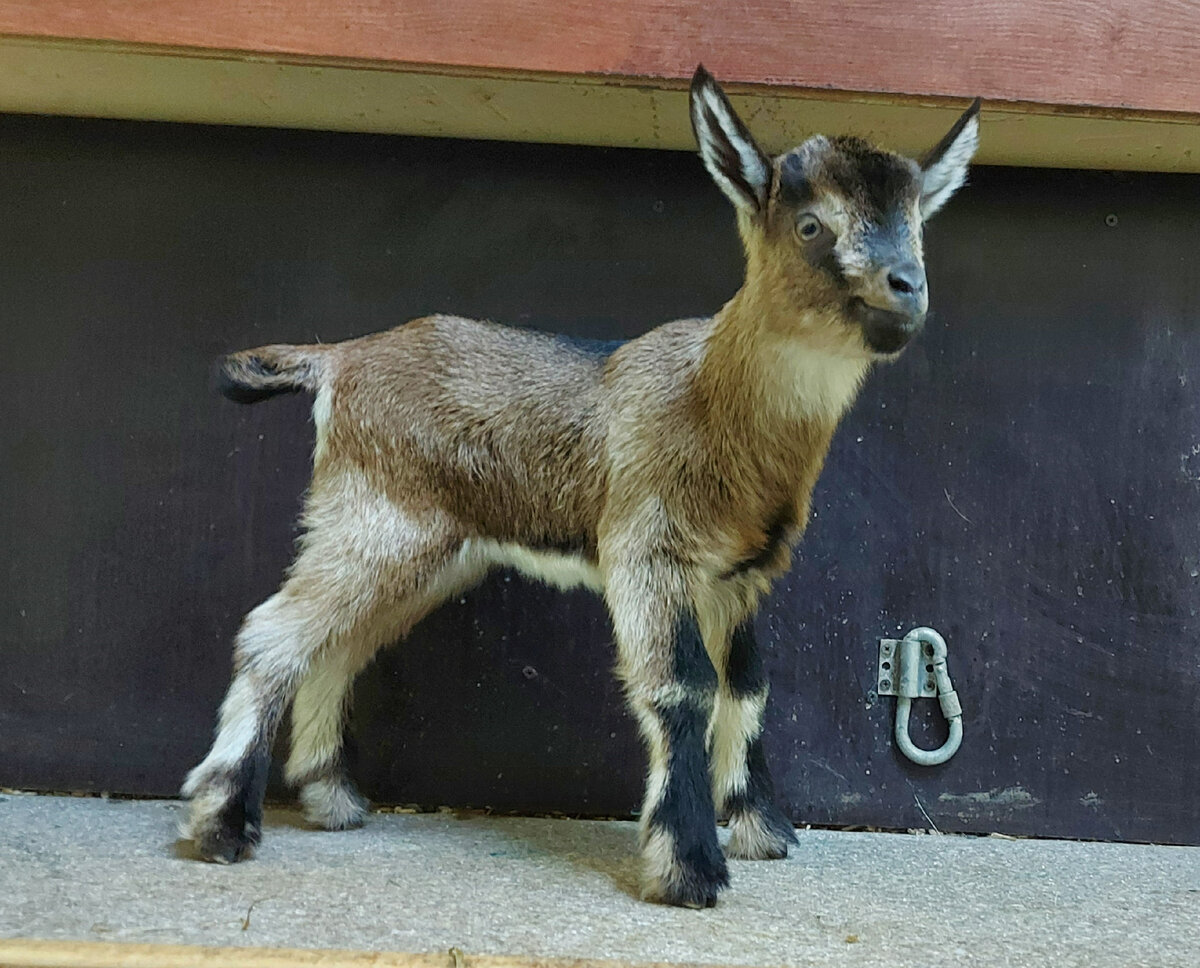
column 1026, row 479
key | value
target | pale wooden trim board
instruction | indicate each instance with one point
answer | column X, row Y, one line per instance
column 169, row 84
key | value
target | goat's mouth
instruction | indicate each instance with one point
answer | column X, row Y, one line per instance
column 885, row 331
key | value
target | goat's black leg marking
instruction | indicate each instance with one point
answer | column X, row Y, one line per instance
column 685, row 865
column 272, row 652
column 321, row 628
column 227, row 814
column 237, row 827
column 758, row 828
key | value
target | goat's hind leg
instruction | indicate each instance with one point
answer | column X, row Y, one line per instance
column 317, row 762
column 272, row 651
column 741, row 781
column 331, row 605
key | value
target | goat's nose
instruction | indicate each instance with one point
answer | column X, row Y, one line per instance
column 907, row 279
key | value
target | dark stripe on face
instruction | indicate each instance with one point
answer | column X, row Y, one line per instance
column 744, row 673
column 826, row 259
column 890, row 240
column 796, row 190
column 875, row 182
column 794, row 186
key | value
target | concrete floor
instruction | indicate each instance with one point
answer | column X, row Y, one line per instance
column 92, row 869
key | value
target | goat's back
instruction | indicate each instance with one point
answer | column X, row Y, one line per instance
column 502, row 428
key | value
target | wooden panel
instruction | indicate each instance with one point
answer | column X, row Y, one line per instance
column 1026, row 478
column 1118, row 54
column 103, row 81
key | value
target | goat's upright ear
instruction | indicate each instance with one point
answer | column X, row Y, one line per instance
column 730, row 154
column 944, row 169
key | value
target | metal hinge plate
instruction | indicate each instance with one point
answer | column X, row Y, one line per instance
column 889, row 671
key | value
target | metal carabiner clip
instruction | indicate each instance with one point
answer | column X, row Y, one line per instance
column 912, row 667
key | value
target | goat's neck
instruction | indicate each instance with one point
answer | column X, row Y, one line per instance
column 769, row 368
column 773, row 398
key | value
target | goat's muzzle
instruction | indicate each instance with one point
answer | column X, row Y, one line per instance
column 887, row 331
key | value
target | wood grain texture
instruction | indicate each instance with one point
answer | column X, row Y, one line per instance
column 110, row 81
column 1115, row 54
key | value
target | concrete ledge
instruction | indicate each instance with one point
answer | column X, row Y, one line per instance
column 102, row 954
column 536, row 890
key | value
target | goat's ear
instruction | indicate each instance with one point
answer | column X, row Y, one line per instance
column 944, row 169
column 730, row 154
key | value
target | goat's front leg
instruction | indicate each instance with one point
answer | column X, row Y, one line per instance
column 671, row 686
column 741, row 781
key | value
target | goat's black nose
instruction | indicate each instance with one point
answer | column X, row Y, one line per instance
column 907, row 279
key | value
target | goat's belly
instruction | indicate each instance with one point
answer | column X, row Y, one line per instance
column 552, row 567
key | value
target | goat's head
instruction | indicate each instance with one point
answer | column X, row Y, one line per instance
column 835, row 224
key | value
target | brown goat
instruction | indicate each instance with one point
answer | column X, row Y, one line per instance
column 671, row 473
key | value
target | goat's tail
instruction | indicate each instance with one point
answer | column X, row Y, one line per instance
column 253, row 375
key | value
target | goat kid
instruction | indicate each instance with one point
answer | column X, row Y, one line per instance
column 671, row 473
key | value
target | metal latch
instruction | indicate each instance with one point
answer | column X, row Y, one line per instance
column 911, row 668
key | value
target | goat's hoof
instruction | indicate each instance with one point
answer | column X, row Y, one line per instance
column 694, row 897
column 224, row 837
column 219, row 828
column 689, row 888
column 333, row 804
column 763, row 835
column 228, row 845
column 694, row 883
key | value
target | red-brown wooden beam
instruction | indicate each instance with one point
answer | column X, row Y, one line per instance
column 1131, row 55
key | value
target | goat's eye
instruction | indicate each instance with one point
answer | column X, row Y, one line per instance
column 808, row 227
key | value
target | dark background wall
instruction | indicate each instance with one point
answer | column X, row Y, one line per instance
column 1026, row 478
